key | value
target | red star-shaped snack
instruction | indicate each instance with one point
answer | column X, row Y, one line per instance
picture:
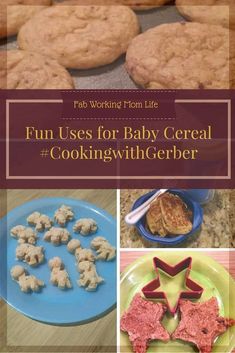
column 200, row 324
column 142, row 322
column 193, row 291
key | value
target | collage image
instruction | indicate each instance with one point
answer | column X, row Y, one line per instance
column 122, row 269
column 117, row 44
column 158, row 277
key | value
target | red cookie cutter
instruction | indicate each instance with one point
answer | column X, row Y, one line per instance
column 195, row 291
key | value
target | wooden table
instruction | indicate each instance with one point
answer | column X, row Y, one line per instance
column 25, row 335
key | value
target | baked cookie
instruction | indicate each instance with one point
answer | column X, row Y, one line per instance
column 26, row 70
column 80, row 37
column 39, row 221
column 14, row 13
column 85, row 226
column 27, row 283
column 32, row 255
column 24, row 234
column 208, row 11
column 181, row 56
column 59, row 275
column 73, row 245
column 137, row 5
column 105, row 251
column 57, row 236
column 63, row 215
column 89, row 277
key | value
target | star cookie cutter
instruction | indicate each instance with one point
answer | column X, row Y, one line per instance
column 194, row 290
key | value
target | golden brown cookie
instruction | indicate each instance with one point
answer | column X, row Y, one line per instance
column 208, row 11
column 14, row 13
column 25, row 70
column 80, row 37
column 181, row 56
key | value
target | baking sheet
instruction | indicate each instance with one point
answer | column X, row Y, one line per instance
column 114, row 76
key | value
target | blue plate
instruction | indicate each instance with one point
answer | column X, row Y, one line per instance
column 192, row 205
column 52, row 305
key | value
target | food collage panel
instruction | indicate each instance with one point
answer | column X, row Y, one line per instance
column 177, row 284
column 59, row 274
column 117, row 44
column 126, row 268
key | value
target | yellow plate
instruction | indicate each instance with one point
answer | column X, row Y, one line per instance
column 208, row 273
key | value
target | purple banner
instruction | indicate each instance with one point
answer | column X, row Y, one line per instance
column 116, row 138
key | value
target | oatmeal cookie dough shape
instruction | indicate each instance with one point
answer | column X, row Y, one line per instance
column 208, row 11
column 26, row 282
column 181, row 56
column 85, row 226
column 14, row 13
column 80, row 37
column 20, row 69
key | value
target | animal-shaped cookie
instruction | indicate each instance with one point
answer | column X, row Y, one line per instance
column 57, row 236
column 26, row 282
column 72, row 245
column 85, row 226
column 88, row 276
column 59, row 276
column 24, row 234
column 104, row 250
column 40, row 221
column 63, row 215
column 32, row 255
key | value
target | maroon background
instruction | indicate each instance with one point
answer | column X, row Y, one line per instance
column 25, row 158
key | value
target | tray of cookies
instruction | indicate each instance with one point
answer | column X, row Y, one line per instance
column 105, row 45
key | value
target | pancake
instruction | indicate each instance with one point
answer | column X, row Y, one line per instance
column 168, row 216
column 175, row 215
column 154, row 219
